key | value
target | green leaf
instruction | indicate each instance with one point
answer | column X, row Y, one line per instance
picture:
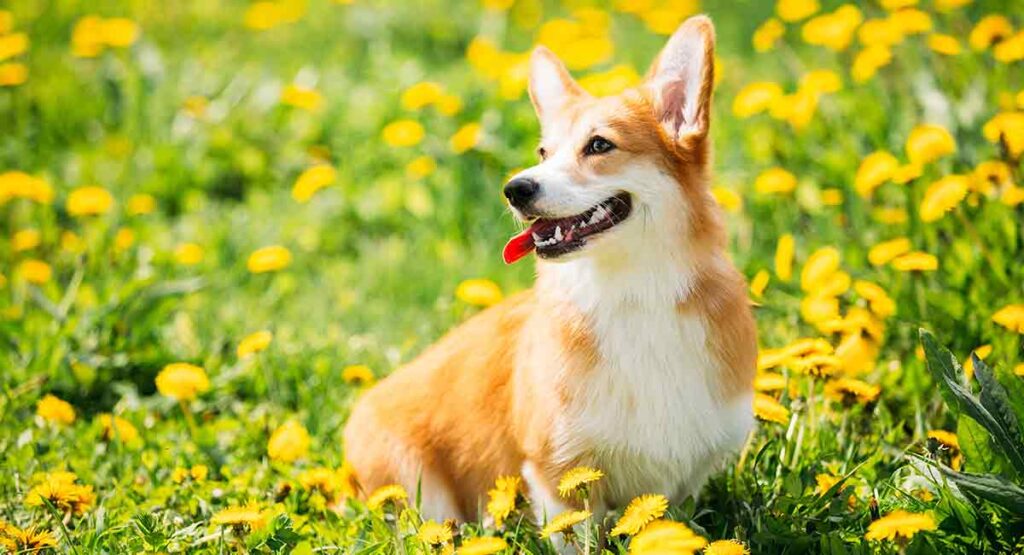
column 944, row 368
column 1014, row 385
column 976, row 447
column 989, row 487
column 996, row 400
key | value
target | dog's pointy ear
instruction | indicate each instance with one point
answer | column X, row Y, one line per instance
column 681, row 79
column 551, row 85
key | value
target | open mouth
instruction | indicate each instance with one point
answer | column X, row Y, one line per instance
column 552, row 238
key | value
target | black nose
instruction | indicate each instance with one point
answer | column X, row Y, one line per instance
column 521, row 191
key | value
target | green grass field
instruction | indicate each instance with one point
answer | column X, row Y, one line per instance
column 868, row 159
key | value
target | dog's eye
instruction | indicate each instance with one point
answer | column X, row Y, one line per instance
column 598, row 145
column 542, row 153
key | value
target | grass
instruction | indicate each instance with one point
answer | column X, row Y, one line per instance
column 189, row 111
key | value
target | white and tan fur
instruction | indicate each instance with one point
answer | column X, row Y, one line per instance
column 634, row 355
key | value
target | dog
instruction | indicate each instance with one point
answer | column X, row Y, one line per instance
column 634, row 352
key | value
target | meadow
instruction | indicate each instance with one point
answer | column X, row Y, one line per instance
column 221, row 221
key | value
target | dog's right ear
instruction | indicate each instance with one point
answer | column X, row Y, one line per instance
column 551, row 85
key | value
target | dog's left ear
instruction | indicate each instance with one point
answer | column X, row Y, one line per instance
column 681, row 79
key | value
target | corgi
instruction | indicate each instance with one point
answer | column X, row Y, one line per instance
column 634, row 352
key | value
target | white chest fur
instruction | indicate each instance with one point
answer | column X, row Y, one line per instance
column 649, row 414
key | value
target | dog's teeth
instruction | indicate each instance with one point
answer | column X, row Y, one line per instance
column 536, row 239
column 558, row 233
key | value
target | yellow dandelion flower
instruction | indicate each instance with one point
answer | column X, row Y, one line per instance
column 819, row 309
column 911, row 21
column 833, row 30
column 119, row 32
column 755, row 98
column 141, row 204
column 289, row 442
column 666, row 536
column 248, row 515
column 332, row 484
column 188, row 254
column 824, row 482
column 729, row 200
column 254, row 343
column 1008, row 128
column 990, row 174
column 899, row 524
column 916, row 261
column 726, row 547
column 182, row 381
column 768, row 409
column 478, row 292
column 311, row 180
column 990, row 30
column 420, row 167
column 947, row 439
column 850, row 390
column 819, row 268
column 1010, row 317
column 869, row 61
column 115, row 427
column 768, row 34
column 1011, row 49
column 450, row 104
column 269, row 259
column 303, row 98
column 886, row 251
column 28, row 540
column 61, row 490
column 53, row 409
column 467, row 137
column 124, row 239
column 876, row 168
column 981, row 352
column 576, row 478
column 832, row 197
column 386, row 494
column 879, row 301
column 879, row 31
column 35, row 271
column 943, row 196
column 563, row 523
column 358, row 374
column 795, row 10
column 90, row 200
column 25, row 239
column 640, row 512
column 759, row 283
column 610, row 82
column 179, row 475
column 769, row 382
column 947, row 45
column 502, row 498
column 893, row 5
column 13, row 74
column 929, row 142
column 890, row 216
column 821, row 81
column 434, row 533
column 482, row 546
column 784, row 253
column 403, row 133
column 775, row 181
column 14, row 44
column 421, row 95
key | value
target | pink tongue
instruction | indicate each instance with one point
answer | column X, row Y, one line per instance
column 518, row 246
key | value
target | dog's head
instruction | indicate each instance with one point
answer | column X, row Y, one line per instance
column 619, row 174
